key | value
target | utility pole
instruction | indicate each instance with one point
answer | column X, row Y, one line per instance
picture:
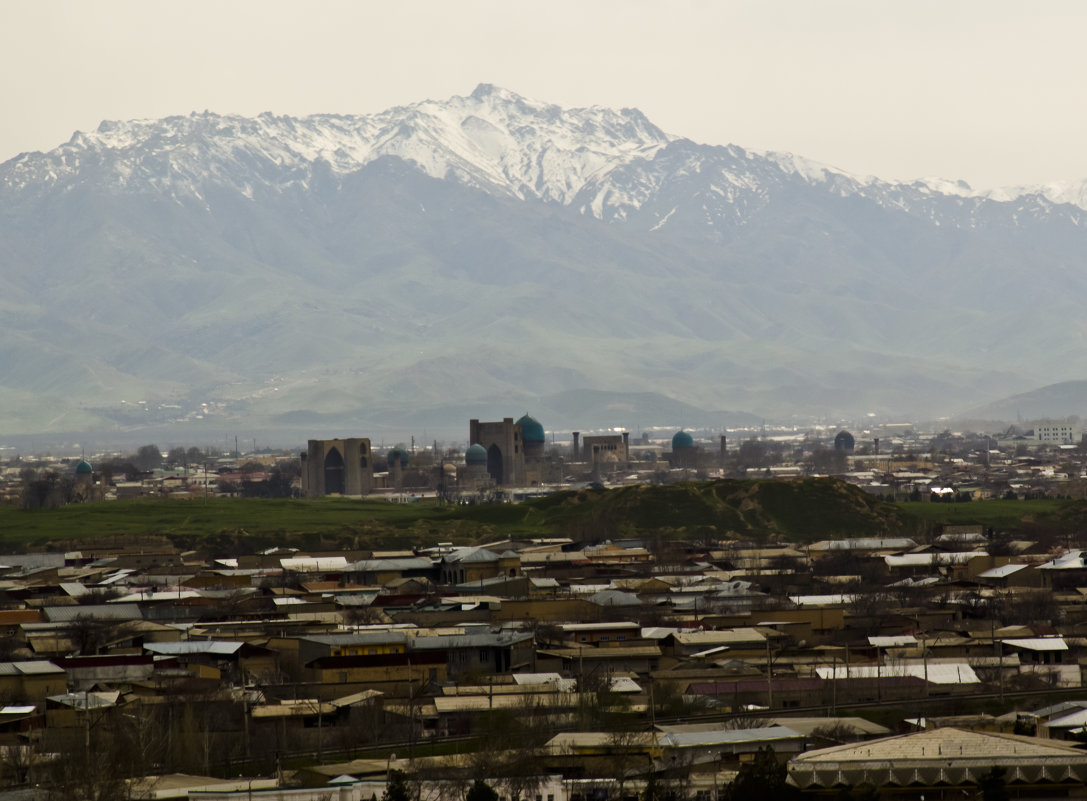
column 769, row 677
column 834, row 684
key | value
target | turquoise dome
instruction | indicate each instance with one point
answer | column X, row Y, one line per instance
column 398, row 453
column 84, row 467
column 844, row 441
column 531, row 429
column 682, row 439
column 475, row 455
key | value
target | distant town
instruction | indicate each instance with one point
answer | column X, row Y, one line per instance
column 683, row 665
column 512, row 460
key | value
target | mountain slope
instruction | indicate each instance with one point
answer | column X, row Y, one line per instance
column 490, row 249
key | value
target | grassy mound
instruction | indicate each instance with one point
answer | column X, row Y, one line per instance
column 801, row 511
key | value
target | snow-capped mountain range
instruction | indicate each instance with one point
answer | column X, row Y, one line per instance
column 490, row 247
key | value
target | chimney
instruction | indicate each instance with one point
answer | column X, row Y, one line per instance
column 724, row 446
column 876, row 443
column 626, row 446
column 576, row 448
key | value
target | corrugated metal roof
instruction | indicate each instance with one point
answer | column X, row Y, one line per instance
column 615, row 598
column 934, row 673
column 471, row 555
column 37, row 668
column 722, row 637
column 301, row 707
column 87, row 700
column 947, row 744
column 1002, row 571
column 1073, row 560
column 900, row 641
column 66, row 614
column 155, row 595
column 1073, row 720
column 18, row 710
column 694, row 739
column 823, row 600
column 357, row 638
column 928, row 559
column 480, row 640
column 1038, row 643
column 390, row 565
column 314, row 564
column 478, row 703
column 356, row 698
column 865, row 544
column 214, row 647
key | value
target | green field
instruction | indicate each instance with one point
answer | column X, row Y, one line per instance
column 261, row 520
column 798, row 511
column 998, row 514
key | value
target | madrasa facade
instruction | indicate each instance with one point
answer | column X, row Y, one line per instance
column 502, row 454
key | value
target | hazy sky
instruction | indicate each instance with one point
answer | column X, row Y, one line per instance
column 986, row 90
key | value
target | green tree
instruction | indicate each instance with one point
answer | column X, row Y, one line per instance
column 148, row 457
column 396, row 787
column 763, row 778
column 993, row 786
column 481, row 791
column 862, row 793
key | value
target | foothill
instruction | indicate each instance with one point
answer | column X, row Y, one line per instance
column 874, row 612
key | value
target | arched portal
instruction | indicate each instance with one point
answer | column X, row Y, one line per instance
column 494, row 463
column 334, row 472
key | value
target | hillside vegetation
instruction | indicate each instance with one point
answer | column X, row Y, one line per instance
column 801, row 511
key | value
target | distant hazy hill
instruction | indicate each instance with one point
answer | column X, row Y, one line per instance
column 494, row 252
column 1054, row 401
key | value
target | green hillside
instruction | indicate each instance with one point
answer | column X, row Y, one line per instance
column 801, row 510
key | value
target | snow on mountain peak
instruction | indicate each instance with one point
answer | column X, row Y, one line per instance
column 603, row 161
column 493, row 139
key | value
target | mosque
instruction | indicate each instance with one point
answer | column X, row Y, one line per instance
column 505, row 453
column 85, row 487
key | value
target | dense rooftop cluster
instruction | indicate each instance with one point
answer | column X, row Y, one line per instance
column 542, row 667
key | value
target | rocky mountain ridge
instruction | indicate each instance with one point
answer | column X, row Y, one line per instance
column 490, row 249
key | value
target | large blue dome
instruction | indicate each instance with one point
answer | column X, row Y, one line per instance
column 84, row 467
column 531, row 429
column 682, row 439
column 476, row 455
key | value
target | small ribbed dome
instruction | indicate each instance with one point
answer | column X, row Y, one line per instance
column 682, row 439
column 84, row 467
column 531, row 429
column 477, row 454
